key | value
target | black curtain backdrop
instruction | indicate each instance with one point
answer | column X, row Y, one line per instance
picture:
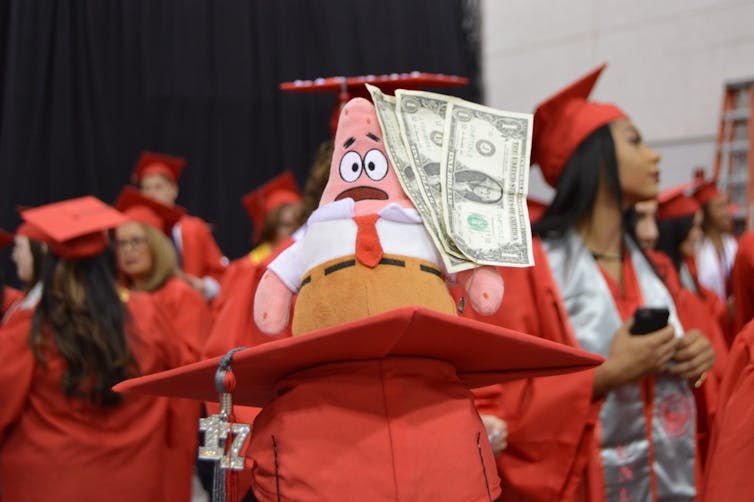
column 87, row 84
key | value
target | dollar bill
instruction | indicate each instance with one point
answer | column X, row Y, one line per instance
column 485, row 179
column 385, row 106
column 421, row 117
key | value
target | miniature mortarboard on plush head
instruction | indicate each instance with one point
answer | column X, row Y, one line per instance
column 140, row 208
column 676, row 203
column 565, row 120
column 158, row 163
column 354, row 87
column 279, row 191
column 75, row 228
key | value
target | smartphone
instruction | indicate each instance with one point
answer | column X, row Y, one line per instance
column 649, row 319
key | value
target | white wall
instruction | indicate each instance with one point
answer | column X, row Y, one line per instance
column 667, row 64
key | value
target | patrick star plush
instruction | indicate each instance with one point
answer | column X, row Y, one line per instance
column 365, row 250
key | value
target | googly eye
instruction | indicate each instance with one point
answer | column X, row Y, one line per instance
column 375, row 164
column 350, row 167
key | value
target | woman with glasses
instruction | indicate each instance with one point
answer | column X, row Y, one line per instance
column 147, row 263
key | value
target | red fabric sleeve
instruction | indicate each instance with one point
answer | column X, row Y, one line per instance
column 201, row 256
column 16, row 370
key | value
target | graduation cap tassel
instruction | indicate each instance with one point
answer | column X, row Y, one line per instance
column 224, row 439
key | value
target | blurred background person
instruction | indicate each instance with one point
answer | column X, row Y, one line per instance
column 201, row 262
column 147, row 263
column 717, row 249
column 64, row 434
column 274, row 209
column 28, row 255
column 8, row 295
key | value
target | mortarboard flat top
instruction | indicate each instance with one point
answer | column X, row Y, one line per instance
column 386, row 83
column 278, row 191
column 138, row 207
column 6, row 239
column 483, row 354
column 676, row 203
column 353, row 87
column 566, row 119
column 158, row 163
column 74, row 228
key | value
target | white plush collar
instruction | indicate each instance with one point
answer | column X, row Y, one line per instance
column 343, row 209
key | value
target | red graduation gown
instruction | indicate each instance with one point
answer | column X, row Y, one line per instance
column 200, row 254
column 548, row 451
column 10, row 296
column 729, row 465
column 56, row 448
column 191, row 319
column 742, row 285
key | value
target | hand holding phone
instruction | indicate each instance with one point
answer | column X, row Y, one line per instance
column 648, row 320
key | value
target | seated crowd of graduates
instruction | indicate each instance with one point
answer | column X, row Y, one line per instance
column 665, row 417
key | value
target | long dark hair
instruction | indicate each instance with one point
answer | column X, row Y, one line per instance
column 672, row 233
column 577, row 187
column 81, row 313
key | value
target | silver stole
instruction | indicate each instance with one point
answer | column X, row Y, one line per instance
column 625, row 447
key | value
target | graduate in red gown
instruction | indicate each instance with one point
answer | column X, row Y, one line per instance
column 731, row 459
column 741, row 282
column 625, row 431
column 715, row 254
column 201, row 261
column 8, row 295
column 64, row 434
column 147, row 263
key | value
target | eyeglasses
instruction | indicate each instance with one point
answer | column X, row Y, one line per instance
column 133, row 242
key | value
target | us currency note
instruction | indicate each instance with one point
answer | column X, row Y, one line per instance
column 385, row 106
column 485, row 179
column 421, row 117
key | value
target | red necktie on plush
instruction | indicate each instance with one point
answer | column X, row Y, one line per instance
column 368, row 247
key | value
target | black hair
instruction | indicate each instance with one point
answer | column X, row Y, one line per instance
column 577, row 188
column 672, row 233
column 81, row 317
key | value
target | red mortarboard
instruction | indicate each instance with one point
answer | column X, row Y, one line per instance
column 279, row 191
column 675, row 203
column 74, row 228
column 152, row 162
column 565, row 120
column 6, row 239
column 353, row 87
column 483, row 354
column 138, row 207
column 706, row 191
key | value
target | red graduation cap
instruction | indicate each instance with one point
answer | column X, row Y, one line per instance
column 158, row 163
column 279, row 191
column 676, row 203
column 32, row 232
column 706, row 191
column 6, row 239
column 483, row 354
column 353, row 87
column 74, row 228
column 138, row 207
column 566, row 119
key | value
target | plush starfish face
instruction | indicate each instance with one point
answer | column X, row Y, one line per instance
column 361, row 169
